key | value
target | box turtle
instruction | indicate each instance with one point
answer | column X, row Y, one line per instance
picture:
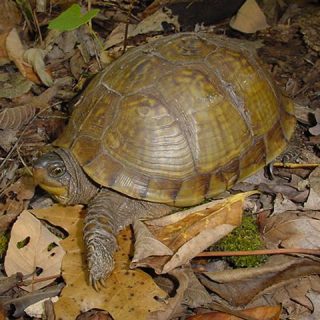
column 168, row 124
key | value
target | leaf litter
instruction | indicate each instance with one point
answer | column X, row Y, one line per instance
column 286, row 209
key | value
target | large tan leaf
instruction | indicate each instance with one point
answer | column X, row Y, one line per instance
column 261, row 313
column 241, row 286
column 129, row 294
column 171, row 241
column 38, row 248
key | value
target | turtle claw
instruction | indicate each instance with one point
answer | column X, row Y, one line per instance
column 97, row 284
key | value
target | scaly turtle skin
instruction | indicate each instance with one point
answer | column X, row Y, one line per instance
column 168, row 124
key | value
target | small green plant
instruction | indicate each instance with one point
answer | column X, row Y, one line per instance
column 244, row 238
column 4, row 239
column 72, row 18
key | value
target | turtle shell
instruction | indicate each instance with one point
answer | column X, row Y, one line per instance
column 179, row 120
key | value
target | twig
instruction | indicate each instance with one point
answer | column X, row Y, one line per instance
column 32, row 281
column 295, row 165
column 125, row 40
column 258, row 252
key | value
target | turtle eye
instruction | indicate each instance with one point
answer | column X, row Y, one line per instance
column 57, row 171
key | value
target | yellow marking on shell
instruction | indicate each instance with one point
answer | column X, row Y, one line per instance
column 206, row 117
column 151, row 142
column 258, row 98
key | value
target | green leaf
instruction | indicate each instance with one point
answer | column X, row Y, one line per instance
column 72, row 18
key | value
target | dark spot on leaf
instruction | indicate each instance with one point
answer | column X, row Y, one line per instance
column 52, row 254
column 39, row 270
column 13, row 195
column 23, row 243
column 51, row 246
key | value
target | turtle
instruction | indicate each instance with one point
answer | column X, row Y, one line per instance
column 167, row 125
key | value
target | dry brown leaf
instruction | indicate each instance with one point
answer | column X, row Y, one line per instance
column 241, row 286
column 15, row 118
column 8, row 138
column 171, row 241
column 15, row 86
column 153, row 23
column 35, row 57
column 293, row 230
column 196, row 295
column 33, row 246
column 129, row 294
column 293, row 296
column 313, row 201
column 282, row 204
column 14, row 199
column 15, row 51
column 249, row 18
column 10, row 15
column 314, row 297
column 261, row 313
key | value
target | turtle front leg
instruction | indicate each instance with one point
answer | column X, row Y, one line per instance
column 109, row 212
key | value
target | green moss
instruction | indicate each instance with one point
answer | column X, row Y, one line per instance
column 245, row 237
column 4, row 239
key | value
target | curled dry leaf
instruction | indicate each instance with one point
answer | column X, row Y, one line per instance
column 249, row 18
column 128, row 294
column 35, row 58
column 15, row 51
column 15, row 199
column 266, row 279
column 33, row 246
column 172, row 241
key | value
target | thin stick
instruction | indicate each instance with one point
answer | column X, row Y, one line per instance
column 258, row 252
column 32, row 281
column 296, row 165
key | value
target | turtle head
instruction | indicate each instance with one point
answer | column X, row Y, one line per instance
column 60, row 174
